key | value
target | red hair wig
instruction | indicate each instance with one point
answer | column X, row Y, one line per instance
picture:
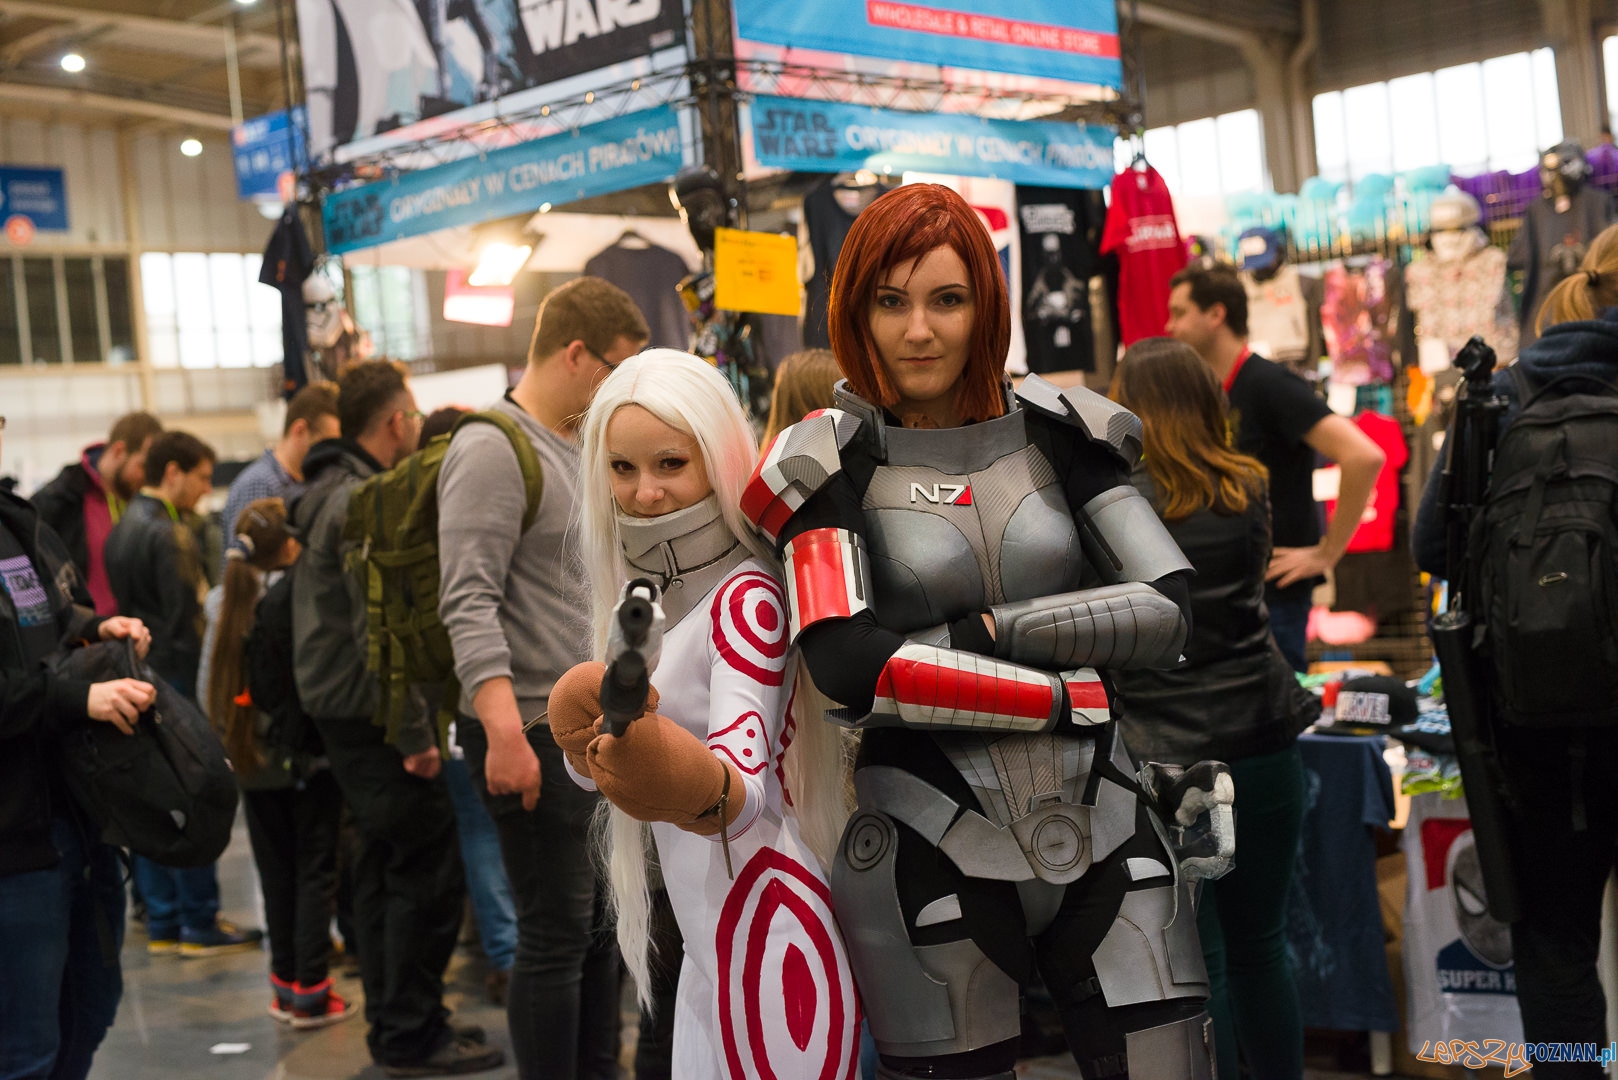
column 904, row 224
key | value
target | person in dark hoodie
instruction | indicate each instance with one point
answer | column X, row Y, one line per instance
column 407, row 876
column 85, row 500
column 154, row 564
column 1556, row 776
column 60, row 886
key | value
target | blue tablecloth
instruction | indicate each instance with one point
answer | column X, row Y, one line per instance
column 1334, row 919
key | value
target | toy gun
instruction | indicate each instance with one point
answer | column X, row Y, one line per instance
column 634, row 643
column 1468, row 461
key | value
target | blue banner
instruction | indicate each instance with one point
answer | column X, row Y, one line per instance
column 264, row 148
column 826, row 136
column 1072, row 40
column 40, row 195
column 640, row 148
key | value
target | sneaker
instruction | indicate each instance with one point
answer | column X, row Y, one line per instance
column 222, row 937
column 469, row 1032
column 163, row 946
column 319, row 1006
column 282, row 1001
column 454, row 1058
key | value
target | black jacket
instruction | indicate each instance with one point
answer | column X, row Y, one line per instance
column 1235, row 695
column 34, row 703
column 155, row 568
column 61, row 506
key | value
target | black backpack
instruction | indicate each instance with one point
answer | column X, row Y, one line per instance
column 271, row 681
column 1546, row 547
column 166, row 792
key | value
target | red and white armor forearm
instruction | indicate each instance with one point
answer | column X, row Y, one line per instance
column 924, row 686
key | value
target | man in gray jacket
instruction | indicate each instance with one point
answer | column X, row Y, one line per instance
column 407, row 877
column 517, row 613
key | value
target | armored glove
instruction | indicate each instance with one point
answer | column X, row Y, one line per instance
column 575, row 709
column 1197, row 804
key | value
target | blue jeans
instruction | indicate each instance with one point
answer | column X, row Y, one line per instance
column 177, row 899
column 60, row 932
column 1289, row 622
column 486, row 880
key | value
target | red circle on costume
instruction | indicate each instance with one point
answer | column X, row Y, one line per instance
column 749, row 626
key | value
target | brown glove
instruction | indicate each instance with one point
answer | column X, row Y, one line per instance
column 574, row 711
column 658, row 771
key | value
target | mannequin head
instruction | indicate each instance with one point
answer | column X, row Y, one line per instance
column 1563, row 170
column 1454, row 226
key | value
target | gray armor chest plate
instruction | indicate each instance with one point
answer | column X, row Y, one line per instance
column 964, row 518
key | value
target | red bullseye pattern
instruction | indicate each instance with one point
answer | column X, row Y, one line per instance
column 787, row 1006
column 750, row 626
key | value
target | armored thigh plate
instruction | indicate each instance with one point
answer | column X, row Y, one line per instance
column 1183, row 1050
column 1152, row 953
column 922, row 1000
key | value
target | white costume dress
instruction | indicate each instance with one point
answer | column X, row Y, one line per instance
column 765, row 987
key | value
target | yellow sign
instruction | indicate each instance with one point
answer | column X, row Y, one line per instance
column 755, row 272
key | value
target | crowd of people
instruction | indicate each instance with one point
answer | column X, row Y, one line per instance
column 954, row 689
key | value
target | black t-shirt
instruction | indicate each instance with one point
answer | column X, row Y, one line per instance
column 29, row 598
column 1061, row 237
column 1271, row 410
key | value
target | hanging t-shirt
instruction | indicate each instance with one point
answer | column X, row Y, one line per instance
column 1142, row 230
column 829, row 211
column 1279, row 315
column 287, row 262
column 1375, row 532
column 1550, row 246
column 1271, row 410
column 1061, row 234
column 1455, row 299
column 649, row 274
column 29, row 598
column 1360, row 316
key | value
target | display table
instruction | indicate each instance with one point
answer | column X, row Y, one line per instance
column 1334, row 922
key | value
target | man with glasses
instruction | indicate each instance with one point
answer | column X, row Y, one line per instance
column 407, row 877
column 512, row 605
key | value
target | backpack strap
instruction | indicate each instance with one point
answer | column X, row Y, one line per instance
column 1529, row 391
column 533, row 471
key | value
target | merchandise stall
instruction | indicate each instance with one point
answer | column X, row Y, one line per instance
column 454, row 149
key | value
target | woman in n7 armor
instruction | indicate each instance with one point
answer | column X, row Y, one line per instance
column 738, row 797
column 963, row 566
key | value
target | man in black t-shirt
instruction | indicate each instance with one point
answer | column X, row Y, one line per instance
column 1276, row 417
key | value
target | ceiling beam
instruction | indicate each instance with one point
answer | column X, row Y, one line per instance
column 32, row 43
column 1168, row 19
column 262, row 49
column 64, row 98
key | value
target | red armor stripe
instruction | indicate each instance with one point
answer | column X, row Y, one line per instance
column 820, row 577
column 1090, row 694
column 916, row 682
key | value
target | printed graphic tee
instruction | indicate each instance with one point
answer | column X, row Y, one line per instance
column 1141, row 229
column 1061, row 234
column 1375, row 532
column 29, row 599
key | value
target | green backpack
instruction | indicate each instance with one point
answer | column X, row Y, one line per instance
column 392, row 534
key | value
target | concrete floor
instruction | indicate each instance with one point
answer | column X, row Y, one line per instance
column 206, row 1019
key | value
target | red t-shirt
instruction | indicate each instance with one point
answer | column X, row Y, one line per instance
column 1142, row 230
column 1382, row 508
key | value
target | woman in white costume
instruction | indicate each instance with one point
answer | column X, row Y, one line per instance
column 744, row 800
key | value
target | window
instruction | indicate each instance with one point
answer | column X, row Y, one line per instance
column 206, row 311
column 1497, row 114
column 55, row 309
column 391, row 303
column 1219, row 155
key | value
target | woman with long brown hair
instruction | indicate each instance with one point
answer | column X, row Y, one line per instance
column 1234, row 698
column 965, row 568
column 291, row 801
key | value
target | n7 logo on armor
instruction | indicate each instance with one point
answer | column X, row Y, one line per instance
column 942, row 494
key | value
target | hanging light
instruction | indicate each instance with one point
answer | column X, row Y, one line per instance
column 498, row 263
column 72, row 63
column 191, row 147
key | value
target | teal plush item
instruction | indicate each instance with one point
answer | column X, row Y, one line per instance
column 1428, row 178
column 1373, row 187
column 1319, row 189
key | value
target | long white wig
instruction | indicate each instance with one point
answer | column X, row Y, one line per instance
column 688, row 394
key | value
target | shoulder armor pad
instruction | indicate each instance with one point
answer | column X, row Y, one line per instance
column 1102, row 420
column 801, row 461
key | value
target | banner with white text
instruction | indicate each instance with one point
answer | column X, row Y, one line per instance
column 824, row 136
column 614, row 155
column 379, row 73
column 1072, row 40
